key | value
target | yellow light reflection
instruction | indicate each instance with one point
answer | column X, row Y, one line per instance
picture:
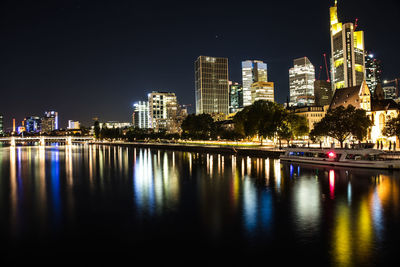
column 342, row 250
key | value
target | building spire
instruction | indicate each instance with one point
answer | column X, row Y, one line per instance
column 335, row 2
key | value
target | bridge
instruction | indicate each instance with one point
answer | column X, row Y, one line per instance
column 43, row 140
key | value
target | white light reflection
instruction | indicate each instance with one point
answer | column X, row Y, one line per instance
column 307, row 205
column 277, row 173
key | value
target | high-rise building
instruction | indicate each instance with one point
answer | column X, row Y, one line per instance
column 1, row 124
column 33, row 124
column 73, row 125
column 322, row 92
column 347, row 53
column 163, row 110
column 373, row 72
column 235, row 97
column 50, row 121
column 390, row 92
column 211, row 85
column 262, row 91
column 301, row 82
column 252, row 71
column 141, row 115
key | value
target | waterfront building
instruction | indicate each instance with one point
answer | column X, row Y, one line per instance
column 141, row 115
column 211, row 85
column 33, row 124
column 1, row 124
column 347, row 53
column 262, row 91
column 235, row 97
column 164, row 111
column 379, row 109
column 301, row 82
column 322, row 92
column 73, row 125
column 50, row 121
column 313, row 114
column 115, row 124
column 252, row 71
column 373, row 72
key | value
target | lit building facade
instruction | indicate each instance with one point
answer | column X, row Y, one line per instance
column 390, row 92
column 163, row 110
column 373, row 72
column 1, row 125
column 115, row 124
column 262, row 91
column 252, row 71
column 211, row 85
column 313, row 114
column 33, row 124
column 141, row 115
column 50, row 121
column 379, row 109
column 73, row 125
column 235, row 97
column 347, row 53
column 301, row 82
column 322, row 92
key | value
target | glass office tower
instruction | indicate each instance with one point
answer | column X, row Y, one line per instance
column 347, row 53
column 211, row 85
column 235, row 97
column 301, row 82
column 373, row 72
column 252, row 71
column 141, row 115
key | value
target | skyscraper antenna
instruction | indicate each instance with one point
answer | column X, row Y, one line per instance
column 335, row 2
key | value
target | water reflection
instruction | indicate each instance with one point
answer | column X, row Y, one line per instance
column 259, row 200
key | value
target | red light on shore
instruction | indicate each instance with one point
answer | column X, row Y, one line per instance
column 332, row 155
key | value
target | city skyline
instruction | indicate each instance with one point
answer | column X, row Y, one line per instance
column 95, row 80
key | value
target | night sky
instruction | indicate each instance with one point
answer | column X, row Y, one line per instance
column 90, row 59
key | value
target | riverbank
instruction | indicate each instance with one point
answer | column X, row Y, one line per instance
column 252, row 151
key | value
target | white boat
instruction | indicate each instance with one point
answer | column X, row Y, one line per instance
column 363, row 158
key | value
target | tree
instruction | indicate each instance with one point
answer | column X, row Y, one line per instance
column 392, row 127
column 263, row 118
column 292, row 126
column 96, row 129
column 341, row 123
column 198, row 126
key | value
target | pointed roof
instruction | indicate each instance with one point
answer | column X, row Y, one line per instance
column 379, row 94
column 346, row 96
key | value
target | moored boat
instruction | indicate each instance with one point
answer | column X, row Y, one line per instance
column 363, row 158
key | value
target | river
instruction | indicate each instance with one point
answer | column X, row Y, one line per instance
column 110, row 204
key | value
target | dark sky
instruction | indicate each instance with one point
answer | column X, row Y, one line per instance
column 90, row 59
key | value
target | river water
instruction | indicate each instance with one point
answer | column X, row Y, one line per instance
column 98, row 204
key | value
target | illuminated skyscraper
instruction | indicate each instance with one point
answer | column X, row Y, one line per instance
column 301, row 82
column 373, row 72
column 347, row 53
column 252, row 71
column 262, row 91
column 163, row 110
column 211, row 85
column 50, row 121
column 235, row 97
column 33, row 124
column 390, row 92
column 141, row 115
